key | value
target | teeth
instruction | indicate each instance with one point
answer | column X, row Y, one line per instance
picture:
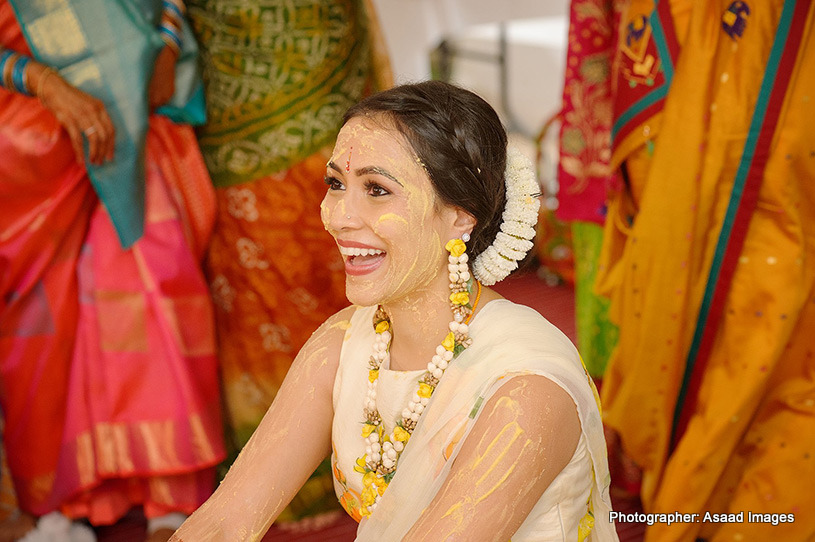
column 347, row 251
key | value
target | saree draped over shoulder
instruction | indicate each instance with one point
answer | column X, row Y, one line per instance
column 108, row 376
column 709, row 259
column 508, row 341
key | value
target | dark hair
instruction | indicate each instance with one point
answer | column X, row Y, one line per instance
column 460, row 141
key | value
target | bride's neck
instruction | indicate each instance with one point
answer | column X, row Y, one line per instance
column 420, row 322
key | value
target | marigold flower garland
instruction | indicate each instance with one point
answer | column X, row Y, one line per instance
column 382, row 451
column 519, row 218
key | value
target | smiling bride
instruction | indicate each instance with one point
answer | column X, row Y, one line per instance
column 449, row 412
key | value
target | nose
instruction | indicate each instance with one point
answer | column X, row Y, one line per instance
column 339, row 215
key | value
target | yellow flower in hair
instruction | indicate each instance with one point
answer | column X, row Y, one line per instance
column 449, row 342
column 367, row 429
column 455, row 247
column 382, row 326
column 425, row 390
column 460, row 298
column 373, row 374
column 400, row 434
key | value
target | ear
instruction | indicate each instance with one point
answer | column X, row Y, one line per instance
column 464, row 222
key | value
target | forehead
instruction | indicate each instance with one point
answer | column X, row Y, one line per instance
column 375, row 140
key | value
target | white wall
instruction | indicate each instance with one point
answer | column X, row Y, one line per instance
column 537, row 35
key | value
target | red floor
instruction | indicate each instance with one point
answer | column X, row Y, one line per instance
column 555, row 303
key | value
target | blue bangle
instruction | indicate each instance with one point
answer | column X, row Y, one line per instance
column 170, row 37
column 13, row 71
column 5, row 77
column 171, row 23
column 18, row 75
column 174, row 9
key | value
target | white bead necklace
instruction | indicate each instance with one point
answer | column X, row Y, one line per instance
column 382, row 451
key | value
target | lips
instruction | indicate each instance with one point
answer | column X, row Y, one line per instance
column 360, row 259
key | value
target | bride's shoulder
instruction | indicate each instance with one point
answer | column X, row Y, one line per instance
column 332, row 332
column 326, row 341
column 511, row 323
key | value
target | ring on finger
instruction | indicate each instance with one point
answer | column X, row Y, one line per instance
column 89, row 130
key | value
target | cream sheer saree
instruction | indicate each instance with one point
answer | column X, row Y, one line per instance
column 508, row 341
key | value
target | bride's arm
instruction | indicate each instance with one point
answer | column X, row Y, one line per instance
column 291, row 440
column 525, row 436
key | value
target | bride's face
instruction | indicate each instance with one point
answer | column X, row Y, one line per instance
column 384, row 214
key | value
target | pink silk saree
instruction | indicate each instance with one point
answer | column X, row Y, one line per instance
column 108, row 375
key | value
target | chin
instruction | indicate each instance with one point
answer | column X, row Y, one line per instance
column 362, row 292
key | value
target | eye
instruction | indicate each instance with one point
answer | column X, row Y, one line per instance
column 334, row 183
column 376, row 190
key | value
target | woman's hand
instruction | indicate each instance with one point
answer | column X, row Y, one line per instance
column 162, row 83
column 79, row 113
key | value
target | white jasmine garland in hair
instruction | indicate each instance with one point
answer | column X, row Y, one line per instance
column 519, row 218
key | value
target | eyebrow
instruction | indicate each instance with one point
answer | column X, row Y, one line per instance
column 376, row 170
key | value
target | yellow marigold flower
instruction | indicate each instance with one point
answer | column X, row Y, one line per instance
column 449, row 342
column 367, row 429
column 369, row 478
column 368, row 496
column 585, row 527
column 460, row 298
column 425, row 390
column 361, row 464
column 455, row 247
column 382, row 326
column 373, row 374
column 400, row 434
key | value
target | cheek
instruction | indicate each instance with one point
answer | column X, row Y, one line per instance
column 394, row 229
column 390, row 223
column 414, row 247
column 418, row 221
column 325, row 213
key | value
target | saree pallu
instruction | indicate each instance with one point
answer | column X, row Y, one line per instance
column 712, row 386
column 278, row 76
column 107, row 49
column 108, row 390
